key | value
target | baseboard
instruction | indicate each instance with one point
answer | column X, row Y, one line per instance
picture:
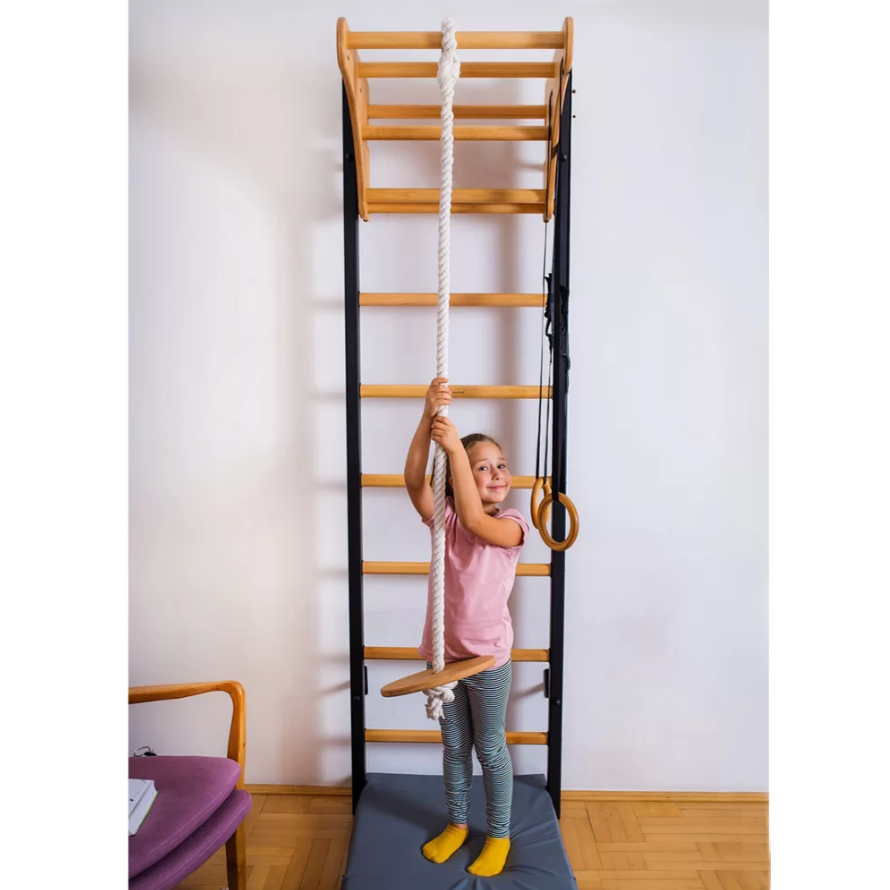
column 318, row 790
column 703, row 796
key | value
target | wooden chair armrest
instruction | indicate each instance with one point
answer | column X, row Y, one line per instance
column 238, row 729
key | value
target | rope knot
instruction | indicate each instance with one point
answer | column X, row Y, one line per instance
column 449, row 72
column 449, row 63
column 437, row 697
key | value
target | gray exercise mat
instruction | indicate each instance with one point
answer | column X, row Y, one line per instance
column 398, row 814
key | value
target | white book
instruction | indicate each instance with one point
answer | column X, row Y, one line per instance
column 137, row 789
column 142, row 796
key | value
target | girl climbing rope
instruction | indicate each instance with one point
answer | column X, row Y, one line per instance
column 482, row 547
column 476, row 547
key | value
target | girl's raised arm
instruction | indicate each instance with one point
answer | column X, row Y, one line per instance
column 467, row 502
column 469, row 507
column 419, row 489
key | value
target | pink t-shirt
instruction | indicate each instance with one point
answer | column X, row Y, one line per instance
column 478, row 582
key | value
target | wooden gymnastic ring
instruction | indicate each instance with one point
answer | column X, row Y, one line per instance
column 535, row 509
column 573, row 517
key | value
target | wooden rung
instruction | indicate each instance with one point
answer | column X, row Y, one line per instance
column 461, row 134
column 464, row 40
column 397, row 480
column 543, row 70
column 502, row 300
column 385, row 391
column 406, row 653
column 461, row 112
column 457, row 208
column 523, row 569
column 458, row 196
column 433, row 736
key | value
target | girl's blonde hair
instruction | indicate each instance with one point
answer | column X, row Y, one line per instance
column 468, row 442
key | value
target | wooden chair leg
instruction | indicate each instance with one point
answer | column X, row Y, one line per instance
column 236, row 859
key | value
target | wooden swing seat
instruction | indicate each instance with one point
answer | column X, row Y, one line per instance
column 457, row 670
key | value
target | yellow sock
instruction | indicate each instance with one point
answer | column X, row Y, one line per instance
column 492, row 858
column 440, row 848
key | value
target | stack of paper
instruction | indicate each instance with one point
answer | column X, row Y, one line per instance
column 142, row 796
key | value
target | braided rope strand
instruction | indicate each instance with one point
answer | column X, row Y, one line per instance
column 448, row 74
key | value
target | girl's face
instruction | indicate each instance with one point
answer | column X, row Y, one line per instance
column 493, row 479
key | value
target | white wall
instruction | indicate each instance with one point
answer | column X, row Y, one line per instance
column 238, row 506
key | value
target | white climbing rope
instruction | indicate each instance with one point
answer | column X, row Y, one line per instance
column 448, row 74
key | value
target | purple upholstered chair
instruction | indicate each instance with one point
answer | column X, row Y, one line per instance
column 201, row 802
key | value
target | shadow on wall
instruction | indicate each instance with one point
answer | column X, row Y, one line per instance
column 241, row 131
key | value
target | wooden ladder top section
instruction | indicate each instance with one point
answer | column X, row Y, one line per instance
column 397, row 480
column 357, row 72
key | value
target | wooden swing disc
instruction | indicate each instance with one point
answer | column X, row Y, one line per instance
column 457, row 670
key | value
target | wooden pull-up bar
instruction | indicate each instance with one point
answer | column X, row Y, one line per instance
column 390, row 207
column 461, row 134
column 465, row 39
column 467, row 69
column 458, row 196
column 478, row 112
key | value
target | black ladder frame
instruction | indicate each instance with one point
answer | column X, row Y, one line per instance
column 557, row 309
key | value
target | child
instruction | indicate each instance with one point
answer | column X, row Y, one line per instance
column 481, row 553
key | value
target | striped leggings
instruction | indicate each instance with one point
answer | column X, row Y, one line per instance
column 477, row 719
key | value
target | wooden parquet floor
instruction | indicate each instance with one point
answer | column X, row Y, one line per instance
column 300, row 842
